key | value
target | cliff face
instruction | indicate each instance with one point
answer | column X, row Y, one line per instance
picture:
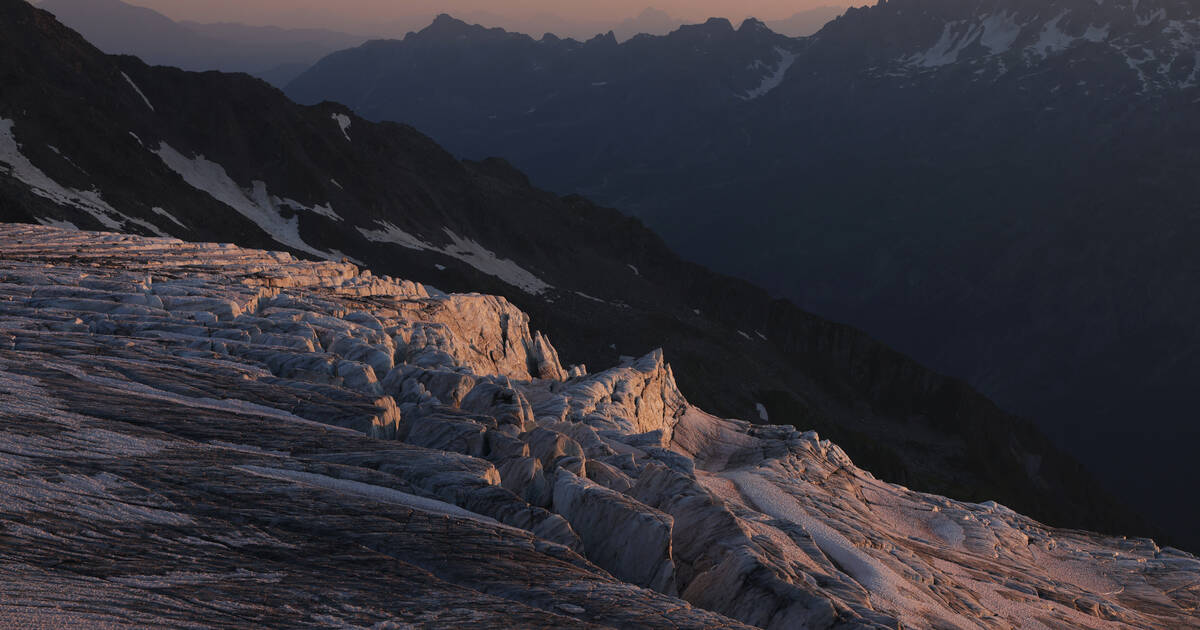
column 101, row 142
column 221, row 435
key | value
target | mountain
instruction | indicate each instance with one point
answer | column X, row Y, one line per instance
column 460, row 80
column 99, row 142
column 1004, row 190
column 807, row 22
column 275, row 54
column 204, row 435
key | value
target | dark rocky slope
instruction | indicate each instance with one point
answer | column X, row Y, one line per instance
column 107, row 142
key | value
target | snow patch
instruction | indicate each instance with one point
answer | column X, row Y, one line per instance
column 163, row 213
column 322, row 210
column 138, row 90
column 1052, row 39
column 467, row 251
column 1096, row 33
column 1158, row 14
column 150, row 227
column 946, row 50
column 486, row 261
column 40, row 184
column 775, row 78
column 1000, row 31
column 255, row 204
column 343, row 123
column 394, row 235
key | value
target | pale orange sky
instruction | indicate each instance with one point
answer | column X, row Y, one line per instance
column 366, row 14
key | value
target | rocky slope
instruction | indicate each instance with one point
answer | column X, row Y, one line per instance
column 99, row 142
column 213, row 436
column 1004, row 190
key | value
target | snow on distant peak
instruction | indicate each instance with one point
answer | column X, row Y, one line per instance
column 256, row 204
column 138, row 90
column 1000, row 31
column 774, row 78
column 1154, row 49
column 1052, row 38
column 956, row 37
column 465, row 250
column 343, row 123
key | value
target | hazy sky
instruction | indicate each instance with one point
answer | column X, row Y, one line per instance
column 365, row 14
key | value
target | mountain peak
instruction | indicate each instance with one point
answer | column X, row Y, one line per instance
column 608, row 38
column 752, row 25
column 712, row 27
column 446, row 26
column 718, row 23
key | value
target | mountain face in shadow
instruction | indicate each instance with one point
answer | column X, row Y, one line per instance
column 1004, row 191
column 100, row 142
column 274, row 54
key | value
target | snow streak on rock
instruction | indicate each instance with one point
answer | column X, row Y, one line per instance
column 19, row 167
column 255, row 204
column 775, row 78
column 465, row 250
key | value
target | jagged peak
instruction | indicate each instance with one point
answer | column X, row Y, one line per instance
column 446, row 27
column 604, row 39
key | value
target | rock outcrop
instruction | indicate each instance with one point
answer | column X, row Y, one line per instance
column 223, row 436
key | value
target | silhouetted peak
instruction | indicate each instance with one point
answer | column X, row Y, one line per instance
column 448, row 27
column 712, row 27
column 753, row 25
column 717, row 23
column 608, row 38
column 445, row 19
